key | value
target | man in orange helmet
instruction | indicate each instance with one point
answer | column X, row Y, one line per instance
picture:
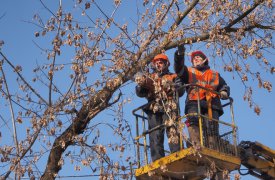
column 201, row 74
column 160, row 89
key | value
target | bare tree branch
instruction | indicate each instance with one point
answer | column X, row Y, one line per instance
column 12, row 114
column 23, row 79
column 245, row 14
column 104, row 60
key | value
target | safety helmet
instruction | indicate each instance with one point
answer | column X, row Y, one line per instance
column 199, row 53
column 162, row 57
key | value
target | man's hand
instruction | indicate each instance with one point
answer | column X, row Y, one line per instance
column 181, row 49
column 144, row 82
column 224, row 95
column 149, row 84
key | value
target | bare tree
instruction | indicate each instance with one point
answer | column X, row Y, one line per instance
column 95, row 56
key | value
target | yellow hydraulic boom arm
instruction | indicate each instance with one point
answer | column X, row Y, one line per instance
column 258, row 158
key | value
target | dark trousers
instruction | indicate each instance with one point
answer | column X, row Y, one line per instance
column 210, row 127
column 156, row 137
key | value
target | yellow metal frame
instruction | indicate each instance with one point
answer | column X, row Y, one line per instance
column 163, row 161
column 261, row 166
column 266, row 150
column 186, row 157
column 193, row 163
column 203, row 156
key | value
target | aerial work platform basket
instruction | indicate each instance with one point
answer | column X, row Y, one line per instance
column 192, row 162
column 188, row 164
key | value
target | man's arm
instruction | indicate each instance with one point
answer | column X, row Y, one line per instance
column 178, row 86
column 179, row 60
column 223, row 88
column 179, row 64
column 141, row 91
column 145, row 86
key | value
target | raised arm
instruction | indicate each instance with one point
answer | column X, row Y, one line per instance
column 179, row 64
column 179, row 59
column 178, row 86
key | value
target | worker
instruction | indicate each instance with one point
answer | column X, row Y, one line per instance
column 160, row 89
column 201, row 74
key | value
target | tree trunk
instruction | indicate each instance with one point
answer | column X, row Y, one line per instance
column 98, row 103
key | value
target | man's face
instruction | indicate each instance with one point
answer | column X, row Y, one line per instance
column 160, row 65
column 197, row 60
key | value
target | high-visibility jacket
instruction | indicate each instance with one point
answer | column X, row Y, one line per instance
column 208, row 79
column 170, row 77
column 182, row 70
column 148, row 90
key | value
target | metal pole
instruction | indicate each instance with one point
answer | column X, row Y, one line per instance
column 199, row 116
column 138, row 151
column 144, row 140
column 178, row 121
column 234, row 127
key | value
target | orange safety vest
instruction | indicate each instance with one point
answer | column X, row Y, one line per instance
column 208, row 79
column 168, row 77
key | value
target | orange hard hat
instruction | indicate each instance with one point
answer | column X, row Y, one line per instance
column 198, row 53
column 161, row 57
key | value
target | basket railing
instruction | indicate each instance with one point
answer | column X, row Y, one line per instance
column 226, row 141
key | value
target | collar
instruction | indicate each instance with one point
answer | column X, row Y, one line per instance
column 160, row 74
column 202, row 67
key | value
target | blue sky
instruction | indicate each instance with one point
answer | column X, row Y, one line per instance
column 18, row 36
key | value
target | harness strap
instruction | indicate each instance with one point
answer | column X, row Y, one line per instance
column 209, row 105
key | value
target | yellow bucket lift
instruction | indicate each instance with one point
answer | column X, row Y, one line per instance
column 188, row 164
column 200, row 162
column 191, row 163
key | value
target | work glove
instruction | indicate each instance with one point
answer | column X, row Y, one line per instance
column 144, row 81
column 181, row 49
column 224, row 95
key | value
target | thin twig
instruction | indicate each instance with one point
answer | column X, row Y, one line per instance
column 23, row 79
column 54, row 58
column 12, row 114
